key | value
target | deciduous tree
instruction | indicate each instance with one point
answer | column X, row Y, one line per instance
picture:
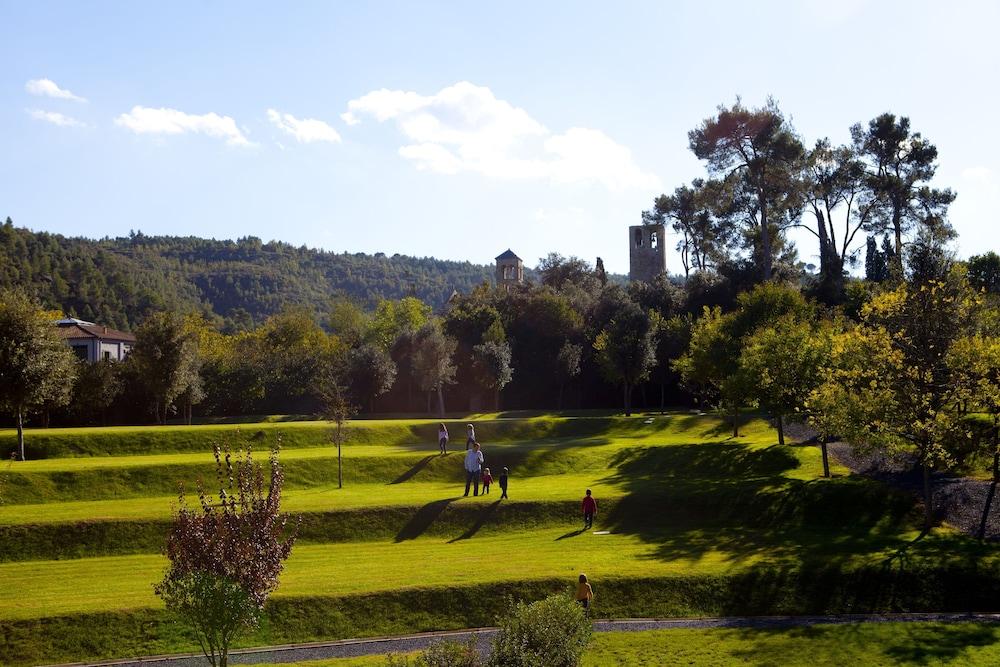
column 36, row 365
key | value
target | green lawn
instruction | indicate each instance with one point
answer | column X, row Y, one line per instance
column 873, row 644
column 699, row 522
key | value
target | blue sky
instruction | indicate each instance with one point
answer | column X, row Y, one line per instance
column 455, row 129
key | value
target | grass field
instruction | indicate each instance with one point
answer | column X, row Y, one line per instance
column 698, row 522
column 875, row 645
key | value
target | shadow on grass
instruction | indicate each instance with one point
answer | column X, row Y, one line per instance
column 417, row 467
column 572, row 533
column 423, row 518
column 481, row 519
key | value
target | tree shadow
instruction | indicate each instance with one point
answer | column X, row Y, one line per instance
column 932, row 644
column 484, row 515
column 423, row 518
column 417, row 467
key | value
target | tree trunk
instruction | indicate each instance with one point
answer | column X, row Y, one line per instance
column 826, row 457
column 897, row 228
column 46, row 417
column 440, row 402
column 559, row 404
column 781, row 430
column 765, row 237
column 20, row 433
column 628, row 400
column 663, row 407
column 429, row 403
column 340, row 463
column 496, row 399
column 981, row 534
column 928, row 500
column 736, row 422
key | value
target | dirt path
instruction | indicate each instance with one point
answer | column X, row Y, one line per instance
column 405, row 644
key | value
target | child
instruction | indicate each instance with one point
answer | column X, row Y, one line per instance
column 584, row 594
column 487, row 480
column 589, row 510
column 503, row 483
column 443, row 438
column 470, row 435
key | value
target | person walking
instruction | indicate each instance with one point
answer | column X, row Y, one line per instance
column 503, row 483
column 473, row 466
column 589, row 510
column 584, row 594
column 470, row 436
column 443, row 438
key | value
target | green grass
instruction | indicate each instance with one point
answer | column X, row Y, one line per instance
column 699, row 523
column 972, row 644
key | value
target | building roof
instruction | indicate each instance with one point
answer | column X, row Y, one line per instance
column 77, row 330
column 508, row 254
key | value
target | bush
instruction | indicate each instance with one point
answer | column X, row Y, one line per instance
column 553, row 632
column 441, row 654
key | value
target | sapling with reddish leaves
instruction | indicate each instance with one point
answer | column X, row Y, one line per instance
column 226, row 556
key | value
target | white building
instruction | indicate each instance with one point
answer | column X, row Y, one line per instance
column 92, row 342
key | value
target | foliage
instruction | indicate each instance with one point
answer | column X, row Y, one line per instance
column 781, row 361
column 121, row 281
column 553, row 632
column 36, row 367
column 372, row 373
column 441, row 654
column 625, row 350
column 166, row 358
column 226, row 557
column 433, row 367
column 492, row 360
column 984, row 272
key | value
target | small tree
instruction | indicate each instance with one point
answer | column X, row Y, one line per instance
column 625, row 350
column 976, row 361
column 553, row 632
column 492, row 361
column 336, row 407
column 567, row 366
column 433, row 367
column 373, row 373
column 36, row 366
column 781, row 363
column 166, row 354
column 226, row 556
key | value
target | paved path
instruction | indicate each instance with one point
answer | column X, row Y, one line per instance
column 407, row 643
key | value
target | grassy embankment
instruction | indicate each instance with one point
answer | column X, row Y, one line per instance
column 882, row 644
column 700, row 523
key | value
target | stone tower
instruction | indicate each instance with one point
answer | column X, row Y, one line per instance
column 647, row 256
column 510, row 269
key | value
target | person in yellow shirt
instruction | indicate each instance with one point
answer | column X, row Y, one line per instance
column 584, row 594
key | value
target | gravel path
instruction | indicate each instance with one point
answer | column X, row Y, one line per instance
column 957, row 500
column 404, row 644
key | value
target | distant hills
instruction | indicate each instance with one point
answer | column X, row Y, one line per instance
column 118, row 281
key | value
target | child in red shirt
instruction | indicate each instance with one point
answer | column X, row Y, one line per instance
column 487, row 480
column 589, row 510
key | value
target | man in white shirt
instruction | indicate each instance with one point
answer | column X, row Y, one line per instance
column 473, row 467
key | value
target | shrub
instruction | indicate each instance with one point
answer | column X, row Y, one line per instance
column 553, row 632
column 441, row 654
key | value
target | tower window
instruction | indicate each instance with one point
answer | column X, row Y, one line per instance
column 653, row 241
column 638, row 238
column 508, row 272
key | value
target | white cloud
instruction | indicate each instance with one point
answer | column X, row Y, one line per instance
column 55, row 118
column 305, row 130
column 465, row 128
column 146, row 120
column 48, row 88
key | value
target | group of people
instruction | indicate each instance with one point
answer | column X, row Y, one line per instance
column 475, row 471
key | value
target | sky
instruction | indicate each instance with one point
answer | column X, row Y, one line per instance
column 457, row 130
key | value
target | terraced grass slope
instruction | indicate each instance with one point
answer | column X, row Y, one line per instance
column 697, row 522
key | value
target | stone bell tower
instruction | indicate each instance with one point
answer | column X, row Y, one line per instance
column 510, row 269
column 647, row 256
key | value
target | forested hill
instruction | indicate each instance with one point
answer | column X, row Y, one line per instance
column 116, row 282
